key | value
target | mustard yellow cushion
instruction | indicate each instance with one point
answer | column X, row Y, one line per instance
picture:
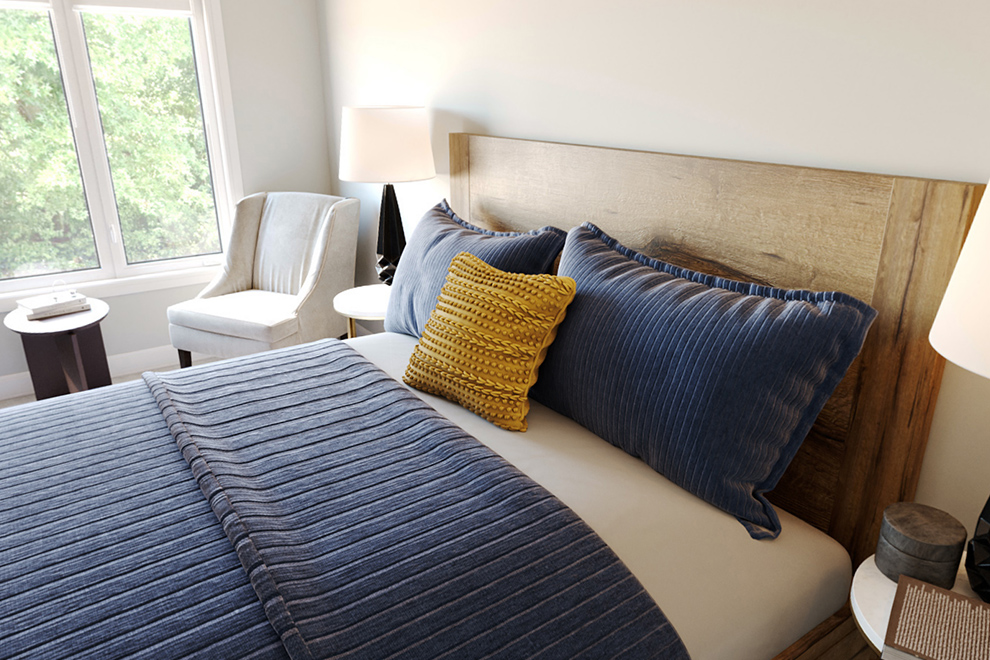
column 487, row 337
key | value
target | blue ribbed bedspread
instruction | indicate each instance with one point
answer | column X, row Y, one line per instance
column 368, row 525
column 107, row 548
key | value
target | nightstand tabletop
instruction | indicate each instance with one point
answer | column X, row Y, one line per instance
column 63, row 323
column 872, row 597
column 365, row 303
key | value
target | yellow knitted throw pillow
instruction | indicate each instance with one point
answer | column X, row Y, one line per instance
column 487, row 337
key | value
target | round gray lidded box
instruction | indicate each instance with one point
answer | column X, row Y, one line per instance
column 921, row 542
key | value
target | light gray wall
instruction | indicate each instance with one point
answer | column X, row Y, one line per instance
column 276, row 79
column 137, row 321
column 890, row 86
column 276, row 76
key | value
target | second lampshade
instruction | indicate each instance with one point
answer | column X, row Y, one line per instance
column 961, row 333
column 386, row 144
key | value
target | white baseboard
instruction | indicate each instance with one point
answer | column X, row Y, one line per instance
column 159, row 357
column 123, row 364
column 15, row 385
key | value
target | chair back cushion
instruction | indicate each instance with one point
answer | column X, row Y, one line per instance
column 288, row 238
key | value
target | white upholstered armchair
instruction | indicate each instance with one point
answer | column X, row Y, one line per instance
column 289, row 254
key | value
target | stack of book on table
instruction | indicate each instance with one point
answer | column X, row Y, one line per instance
column 932, row 623
column 53, row 304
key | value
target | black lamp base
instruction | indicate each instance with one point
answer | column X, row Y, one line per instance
column 978, row 556
column 391, row 238
column 385, row 270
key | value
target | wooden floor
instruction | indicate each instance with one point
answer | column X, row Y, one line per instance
column 838, row 638
column 847, row 644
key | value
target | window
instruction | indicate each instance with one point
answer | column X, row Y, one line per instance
column 110, row 144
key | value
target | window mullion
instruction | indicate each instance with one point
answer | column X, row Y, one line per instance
column 88, row 130
column 210, row 52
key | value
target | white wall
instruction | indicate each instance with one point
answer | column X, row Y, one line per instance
column 276, row 78
column 889, row 86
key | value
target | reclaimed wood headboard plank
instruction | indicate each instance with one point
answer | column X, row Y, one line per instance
column 926, row 226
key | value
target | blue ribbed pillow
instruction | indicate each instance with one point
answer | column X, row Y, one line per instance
column 437, row 239
column 714, row 383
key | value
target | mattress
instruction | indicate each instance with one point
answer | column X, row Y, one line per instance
column 728, row 596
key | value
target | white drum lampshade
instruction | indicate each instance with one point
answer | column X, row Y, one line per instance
column 961, row 331
column 387, row 144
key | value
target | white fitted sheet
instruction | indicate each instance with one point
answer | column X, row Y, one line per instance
column 729, row 596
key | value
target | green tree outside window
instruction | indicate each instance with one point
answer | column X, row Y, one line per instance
column 147, row 90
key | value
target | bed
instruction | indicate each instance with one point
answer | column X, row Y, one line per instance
column 95, row 493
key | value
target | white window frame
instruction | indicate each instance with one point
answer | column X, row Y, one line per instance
column 115, row 276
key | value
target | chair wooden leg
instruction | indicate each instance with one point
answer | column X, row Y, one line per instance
column 185, row 359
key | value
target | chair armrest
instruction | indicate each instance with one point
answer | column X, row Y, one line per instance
column 331, row 271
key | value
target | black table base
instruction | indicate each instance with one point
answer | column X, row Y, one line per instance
column 66, row 362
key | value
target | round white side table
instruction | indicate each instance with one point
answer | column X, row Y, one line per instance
column 872, row 597
column 64, row 353
column 362, row 303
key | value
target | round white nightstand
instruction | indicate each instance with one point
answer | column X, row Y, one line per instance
column 64, row 353
column 872, row 597
column 362, row 303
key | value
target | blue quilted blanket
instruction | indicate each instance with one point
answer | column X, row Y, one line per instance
column 367, row 525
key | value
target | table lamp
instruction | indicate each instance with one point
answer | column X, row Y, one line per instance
column 961, row 333
column 386, row 144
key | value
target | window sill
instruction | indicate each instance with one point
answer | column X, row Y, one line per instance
column 122, row 286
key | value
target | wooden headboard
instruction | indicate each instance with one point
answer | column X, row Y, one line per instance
column 890, row 241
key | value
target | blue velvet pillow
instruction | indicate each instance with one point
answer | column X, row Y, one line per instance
column 714, row 383
column 437, row 239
